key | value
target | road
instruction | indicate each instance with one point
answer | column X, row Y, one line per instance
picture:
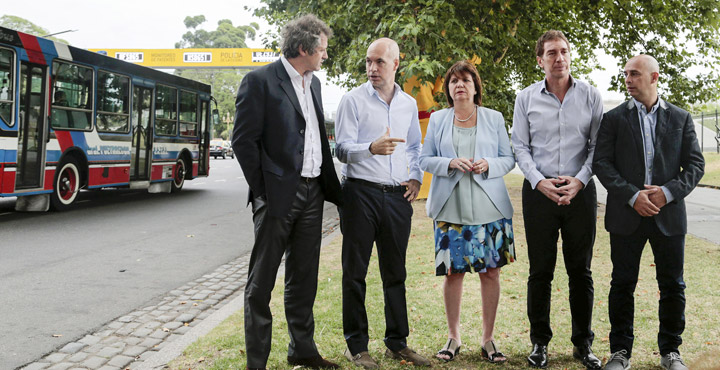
column 63, row 274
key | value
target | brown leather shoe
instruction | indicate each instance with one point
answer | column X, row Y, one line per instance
column 362, row 359
column 316, row 362
column 409, row 356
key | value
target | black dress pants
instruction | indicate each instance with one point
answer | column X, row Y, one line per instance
column 544, row 220
column 669, row 253
column 372, row 215
column 297, row 236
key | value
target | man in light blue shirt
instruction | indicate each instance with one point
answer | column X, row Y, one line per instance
column 378, row 140
column 555, row 126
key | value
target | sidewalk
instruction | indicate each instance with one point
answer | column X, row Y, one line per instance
column 152, row 336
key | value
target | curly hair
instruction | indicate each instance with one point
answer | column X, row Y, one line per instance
column 302, row 32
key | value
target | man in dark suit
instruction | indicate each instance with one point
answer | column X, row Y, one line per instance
column 282, row 147
column 648, row 158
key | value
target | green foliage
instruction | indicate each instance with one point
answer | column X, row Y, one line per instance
column 24, row 25
column 225, row 36
column 433, row 34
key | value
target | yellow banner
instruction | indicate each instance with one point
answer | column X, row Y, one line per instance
column 194, row 58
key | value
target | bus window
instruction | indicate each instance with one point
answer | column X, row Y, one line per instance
column 188, row 114
column 72, row 96
column 113, row 103
column 166, row 110
column 7, row 64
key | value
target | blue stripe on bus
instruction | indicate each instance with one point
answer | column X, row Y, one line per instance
column 48, row 48
column 28, row 193
column 108, row 185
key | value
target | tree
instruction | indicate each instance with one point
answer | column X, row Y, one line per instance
column 225, row 36
column 224, row 82
column 433, row 34
column 24, row 25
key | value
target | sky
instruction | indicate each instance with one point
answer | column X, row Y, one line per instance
column 158, row 24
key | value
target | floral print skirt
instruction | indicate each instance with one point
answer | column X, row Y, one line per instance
column 464, row 248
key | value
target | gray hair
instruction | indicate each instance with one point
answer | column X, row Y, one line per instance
column 303, row 32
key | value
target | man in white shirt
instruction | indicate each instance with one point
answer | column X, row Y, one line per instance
column 378, row 139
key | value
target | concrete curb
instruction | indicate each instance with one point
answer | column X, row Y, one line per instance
column 174, row 349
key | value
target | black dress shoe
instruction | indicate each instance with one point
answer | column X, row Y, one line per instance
column 538, row 357
column 587, row 357
column 316, row 362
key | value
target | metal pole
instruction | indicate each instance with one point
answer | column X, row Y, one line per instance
column 702, row 132
column 717, row 133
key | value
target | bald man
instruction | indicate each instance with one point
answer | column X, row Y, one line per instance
column 647, row 156
column 378, row 140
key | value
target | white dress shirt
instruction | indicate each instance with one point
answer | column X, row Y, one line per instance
column 362, row 117
column 312, row 153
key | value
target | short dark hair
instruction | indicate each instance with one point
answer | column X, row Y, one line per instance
column 303, row 32
column 460, row 68
column 549, row 36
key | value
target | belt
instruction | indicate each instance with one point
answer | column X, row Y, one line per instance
column 382, row 187
column 308, row 179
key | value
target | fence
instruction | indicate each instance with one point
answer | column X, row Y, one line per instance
column 710, row 126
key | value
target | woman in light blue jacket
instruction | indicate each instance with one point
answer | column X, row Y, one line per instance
column 468, row 152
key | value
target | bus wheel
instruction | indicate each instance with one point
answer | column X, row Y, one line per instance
column 66, row 185
column 178, row 176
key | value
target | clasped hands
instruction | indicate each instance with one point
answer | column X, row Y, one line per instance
column 561, row 190
column 468, row 165
column 649, row 201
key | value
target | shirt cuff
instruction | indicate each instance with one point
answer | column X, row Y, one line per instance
column 668, row 195
column 535, row 178
column 632, row 200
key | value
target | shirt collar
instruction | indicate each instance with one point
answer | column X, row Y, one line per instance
column 544, row 89
column 371, row 90
column 292, row 72
column 641, row 107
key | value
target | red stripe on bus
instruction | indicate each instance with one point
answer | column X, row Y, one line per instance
column 32, row 48
column 64, row 139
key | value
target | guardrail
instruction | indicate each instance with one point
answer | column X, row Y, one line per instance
column 706, row 121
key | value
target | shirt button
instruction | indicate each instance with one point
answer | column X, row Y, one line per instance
column 302, row 131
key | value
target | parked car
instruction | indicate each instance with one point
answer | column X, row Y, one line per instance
column 219, row 148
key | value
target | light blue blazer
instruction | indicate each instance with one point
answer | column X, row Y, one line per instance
column 491, row 143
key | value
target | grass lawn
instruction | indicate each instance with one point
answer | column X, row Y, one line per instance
column 712, row 169
column 224, row 347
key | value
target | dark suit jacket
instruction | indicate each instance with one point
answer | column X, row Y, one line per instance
column 269, row 138
column 620, row 165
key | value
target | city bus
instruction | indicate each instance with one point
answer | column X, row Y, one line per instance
column 71, row 119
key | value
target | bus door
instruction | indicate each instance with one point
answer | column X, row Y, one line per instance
column 31, row 129
column 204, row 133
column 142, row 134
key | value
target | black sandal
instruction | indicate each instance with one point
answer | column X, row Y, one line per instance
column 494, row 355
column 451, row 349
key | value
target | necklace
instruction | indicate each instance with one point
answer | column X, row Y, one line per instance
column 466, row 119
